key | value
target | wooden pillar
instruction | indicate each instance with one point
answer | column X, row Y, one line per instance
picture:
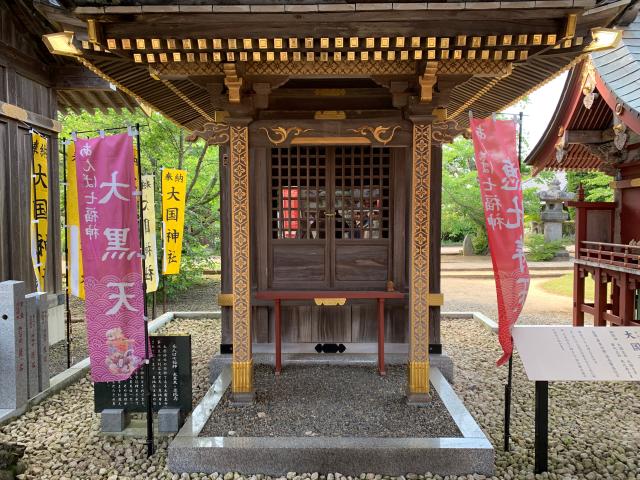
column 435, row 344
column 578, row 280
column 600, row 298
column 627, row 301
column 419, row 261
column 578, row 296
column 242, row 364
column 226, row 281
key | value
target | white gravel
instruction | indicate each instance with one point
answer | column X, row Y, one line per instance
column 594, row 427
column 63, row 436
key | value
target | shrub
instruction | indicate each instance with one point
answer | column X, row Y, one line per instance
column 540, row 250
column 480, row 242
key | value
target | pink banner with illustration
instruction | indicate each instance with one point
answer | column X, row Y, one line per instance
column 498, row 167
column 110, row 253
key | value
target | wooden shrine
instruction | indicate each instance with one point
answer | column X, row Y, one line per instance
column 597, row 127
column 330, row 117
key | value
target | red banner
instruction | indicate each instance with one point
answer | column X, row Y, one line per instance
column 111, row 256
column 498, row 167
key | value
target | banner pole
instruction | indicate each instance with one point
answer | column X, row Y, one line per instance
column 155, row 190
column 66, row 251
column 507, row 405
column 34, row 226
column 520, row 119
column 508, row 386
column 147, row 366
column 162, row 240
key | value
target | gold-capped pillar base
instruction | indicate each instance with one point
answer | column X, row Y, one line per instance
column 418, row 392
column 242, row 382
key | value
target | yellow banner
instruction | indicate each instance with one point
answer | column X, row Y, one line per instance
column 149, row 226
column 74, row 262
column 39, row 208
column 174, row 189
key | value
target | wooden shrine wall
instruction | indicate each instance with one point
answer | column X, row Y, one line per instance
column 351, row 323
column 25, row 84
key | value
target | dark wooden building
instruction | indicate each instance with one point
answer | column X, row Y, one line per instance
column 597, row 127
column 34, row 85
column 330, row 116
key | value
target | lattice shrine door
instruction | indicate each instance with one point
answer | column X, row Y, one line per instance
column 330, row 230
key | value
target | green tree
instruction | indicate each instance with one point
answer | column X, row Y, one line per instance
column 462, row 211
column 596, row 185
column 164, row 145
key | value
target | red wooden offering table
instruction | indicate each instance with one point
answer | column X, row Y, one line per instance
column 278, row 296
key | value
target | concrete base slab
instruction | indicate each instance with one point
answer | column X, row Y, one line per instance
column 471, row 453
column 443, row 362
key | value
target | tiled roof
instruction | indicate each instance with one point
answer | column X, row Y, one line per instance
column 620, row 68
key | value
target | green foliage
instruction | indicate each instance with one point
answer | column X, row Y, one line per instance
column 164, row 145
column 539, row 250
column 480, row 242
column 595, row 184
column 462, row 211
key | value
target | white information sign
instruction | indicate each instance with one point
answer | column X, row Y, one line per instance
column 566, row 353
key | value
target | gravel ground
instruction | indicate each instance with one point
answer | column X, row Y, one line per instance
column 58, row 351
column 594, row 430
column 325, row 401
column 63, row 437
column 593, row 427
column 201, row 297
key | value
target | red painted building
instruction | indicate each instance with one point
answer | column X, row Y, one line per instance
column 596, row 126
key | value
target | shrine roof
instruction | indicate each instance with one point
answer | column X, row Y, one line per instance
column 262, row 6
column 619, row 71
column 151, row 50
column 615, row 75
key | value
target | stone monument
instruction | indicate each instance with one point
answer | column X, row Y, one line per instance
column 33, row 367
column 553, row 214
column 13, row 346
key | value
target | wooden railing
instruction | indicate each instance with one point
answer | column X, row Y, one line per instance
column 625, row 256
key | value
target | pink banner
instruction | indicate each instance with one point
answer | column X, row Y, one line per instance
column 110, row 253
column 498, row 167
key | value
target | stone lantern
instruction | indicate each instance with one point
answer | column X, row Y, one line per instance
column 552, row 214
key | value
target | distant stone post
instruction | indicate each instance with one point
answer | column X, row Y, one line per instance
column 13, row 346
column 33, row 350
column 43, row 340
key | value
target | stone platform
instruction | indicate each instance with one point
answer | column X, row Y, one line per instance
column 298, row 440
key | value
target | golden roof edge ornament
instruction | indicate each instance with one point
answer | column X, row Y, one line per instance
column 446, row 131
column 380, row 133
column 280, row 134
column 589, row 84
column 212, row 133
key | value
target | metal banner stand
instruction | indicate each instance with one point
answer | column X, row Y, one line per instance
column 507, row 405
column 509, row 385
column 147, row 366
column 67, row 305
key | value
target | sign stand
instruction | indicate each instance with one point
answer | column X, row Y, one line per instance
column 542, row 427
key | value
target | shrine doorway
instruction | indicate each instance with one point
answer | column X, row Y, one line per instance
column 330, row 212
